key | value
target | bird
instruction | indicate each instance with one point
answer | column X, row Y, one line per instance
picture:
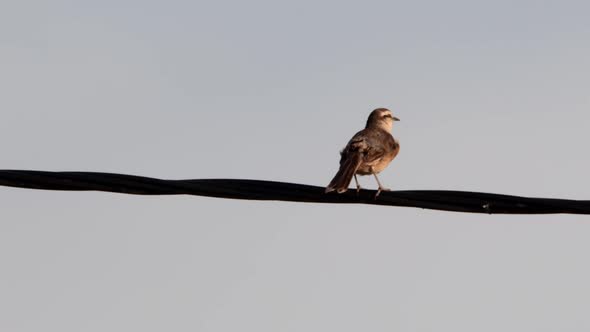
column 368, row 152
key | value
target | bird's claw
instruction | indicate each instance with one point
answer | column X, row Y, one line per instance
column 379, row 190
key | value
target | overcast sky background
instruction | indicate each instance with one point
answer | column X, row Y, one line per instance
column 493, row 96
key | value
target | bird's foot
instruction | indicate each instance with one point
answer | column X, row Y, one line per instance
column 379, row 190
column 358, row 190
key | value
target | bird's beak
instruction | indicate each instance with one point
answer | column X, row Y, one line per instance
column 394, row 118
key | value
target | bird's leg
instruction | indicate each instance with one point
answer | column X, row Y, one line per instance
column 381, row 188
column 358, row 186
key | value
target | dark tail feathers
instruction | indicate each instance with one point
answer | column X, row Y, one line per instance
column 342, row 179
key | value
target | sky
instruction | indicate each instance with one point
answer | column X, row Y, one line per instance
column 492, row 96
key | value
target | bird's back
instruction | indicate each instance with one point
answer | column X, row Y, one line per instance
column 377, row 148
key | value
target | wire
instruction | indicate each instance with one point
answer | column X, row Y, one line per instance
column 459, row 201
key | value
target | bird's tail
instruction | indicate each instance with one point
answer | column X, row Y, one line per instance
column 342, row 179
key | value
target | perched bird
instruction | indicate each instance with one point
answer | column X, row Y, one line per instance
column 368, row 152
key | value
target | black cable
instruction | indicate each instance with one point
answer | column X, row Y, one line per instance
column 460, row 201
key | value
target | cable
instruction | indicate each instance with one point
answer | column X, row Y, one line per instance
column 459, row 201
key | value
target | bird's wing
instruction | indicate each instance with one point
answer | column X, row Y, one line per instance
column 360, row 143
column 373, row 153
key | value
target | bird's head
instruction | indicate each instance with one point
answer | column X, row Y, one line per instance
column 381, row 118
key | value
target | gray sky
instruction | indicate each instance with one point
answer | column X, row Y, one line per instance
column 493, row 96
